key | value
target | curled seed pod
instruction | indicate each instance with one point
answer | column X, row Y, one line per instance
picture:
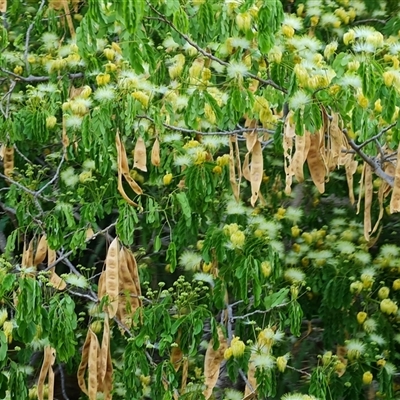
column 155, row 153
column 41, row 251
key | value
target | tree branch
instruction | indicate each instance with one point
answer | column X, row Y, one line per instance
column 375, row 165
column 205, row 53
column 38, row 79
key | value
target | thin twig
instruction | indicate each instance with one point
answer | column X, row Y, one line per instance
column 68, row 253
column 205, row 53
column 194, row 131
column 38, row 79
column 28, row 35
column 260, row 311
column 372, row 163
column 55, row 175
column 62, row 379
column 377, row 136
column 300, row 371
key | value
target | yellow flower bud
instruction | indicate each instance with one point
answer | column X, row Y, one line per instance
column 349, row 37
column 356, row 287
column 266, row 269
column 86, row 92
column 295, row 231
column 217, row 170
column 8, row 327
column 361, row 317
column 228, row 353
column 96, row 326
column 378, row 106
column 167, row 179
column 396, row 284
column 109, row 54
column 3, row 316
column 362, row 101
column 388, row 78
column 51, row 122
column 281, row 363
column 243, row 21
column 110, row 67
column 141, row 97
column 238, row 347
column 18, row 70
column 381, row 362
column 116, row 47
column 367, row 378
column 288, row 31
column 103, row 79
column 383, row 292
column 314, row 20
column 238, row 238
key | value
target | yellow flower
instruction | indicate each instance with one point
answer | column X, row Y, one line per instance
column 266, row 268
column 18, row 70
column 228, row 353
column 396, row 284
column 238, row 347
column 288, row 31
column 281, row 363
column 51, row 122
column 362, row 101
column 103, row 79
column 367, row 378
column 167, row 179
column 223, row 160
column 207, row 267
column 217, row 170
column 361, row 317
column 3, row 316
column 109, row 54
column 378, row 106
column 295, row 231
column 209, row 114
column 314, row 20
column 387, row 306
column 243, row 21
column 388, row 78
column 383, row 292
column 201, row 157
column 8, row 327
column 191, row 144
column 86, row 92
column 141, row 97
column 238, row 238
column 349, row 37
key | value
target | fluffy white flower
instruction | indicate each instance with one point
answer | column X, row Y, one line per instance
column 362, row 257
column 345, row 247
column 202, row 276
column 363, row 32
column 183, row 160
column 370, row 325
column 46, row 87
column 329, row 19
column 239, row 42
column 232, row 394
column 350, row 80
column 73, row 121
column 278, row 247
column 215, row 141
column 389, row 250
column 75, row 280
column 217, row 67
column 104, row 93
column 364, row 47
column 395, row 48
column 69, row 177
column 190, row 260
column 264, row 361
column 294, row 275
column 299, row 100
column 306, row 43
column 170, row 43
column 50, row 41
column 293, row 21
column 355, row 348
column 294, row 214
column 237, row 70
column 390, row 368
column 172, row 137
column 89, row 164
column 235, row 207
column 378, row 339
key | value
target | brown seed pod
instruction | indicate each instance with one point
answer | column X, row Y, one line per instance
column 155, row 153
column 112, row 277
column 41, row 251
column 139, row 155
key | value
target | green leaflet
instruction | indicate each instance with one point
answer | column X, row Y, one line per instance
column 270, row 17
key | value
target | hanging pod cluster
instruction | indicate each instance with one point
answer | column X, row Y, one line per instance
column 31, row 259
column 7, row 155
column 328, row 149
column 119, row 294
column 47, row 372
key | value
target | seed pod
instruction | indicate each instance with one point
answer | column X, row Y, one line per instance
column 315, row 162
column 92, row 366
column 256, row 172
column 335, row 142
column 105, row 348
column 234, row 165
column 212, row 363
column 48, row 361
column 83, row 364
column 8, row 161
column 139, row 155
column 112, row 277
column 395, row 200
column 288, row 135
column 41, row 251
column 155, row 153
column 299, row 157
column 251, row 378
column 368, row 201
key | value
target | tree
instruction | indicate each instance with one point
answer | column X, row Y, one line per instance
column 178, row 192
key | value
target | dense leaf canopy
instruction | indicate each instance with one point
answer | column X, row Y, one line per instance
column 198, row 199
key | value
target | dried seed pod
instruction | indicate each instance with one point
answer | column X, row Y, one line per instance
column 8, row 161
column 41, row 251
column 139, row 155
column 105, row 348
column 212, row 363
column 112, row 277
column 288, row 136
column 315, row 162
column 46, row 370
column 251, row 378
column 234, row 165
column 368, row 201
column 395, row 199
column 83, row 364
column 92, row 366
column 155, row 153
column 256, row 172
